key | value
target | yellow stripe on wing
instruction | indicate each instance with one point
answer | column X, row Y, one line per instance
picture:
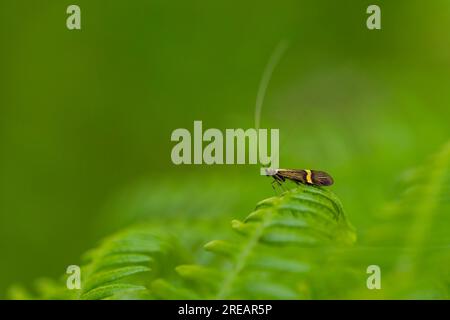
column 309, row 176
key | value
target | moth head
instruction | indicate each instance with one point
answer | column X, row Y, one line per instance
column 271, row 171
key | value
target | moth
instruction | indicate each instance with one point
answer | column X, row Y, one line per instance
column 305, row 176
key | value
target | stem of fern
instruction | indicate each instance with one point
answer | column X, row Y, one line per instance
column 242, row 258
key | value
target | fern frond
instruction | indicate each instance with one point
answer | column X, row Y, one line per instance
column 410, row 241
column 108, row 291
column 139, row 253
column 428, row 196
column 425, row 211
column 257, row 265
column 121, row 267
column 270, row 260
column 419, row 217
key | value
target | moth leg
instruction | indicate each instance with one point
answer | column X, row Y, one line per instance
column 280, row 181
column 276, row 180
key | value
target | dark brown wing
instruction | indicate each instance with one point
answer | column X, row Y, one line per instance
column 321, row 178
column 293, row 174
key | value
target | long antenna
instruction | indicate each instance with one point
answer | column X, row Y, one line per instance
column 275, row 58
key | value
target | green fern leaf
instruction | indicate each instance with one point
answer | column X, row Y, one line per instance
column 409, row 240
column 110, row 290
column 105, row 277
column 304, row 217
column 121, row 267
column 139, row 263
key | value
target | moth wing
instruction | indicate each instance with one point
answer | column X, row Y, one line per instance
column 292, row 174
column 322, row 178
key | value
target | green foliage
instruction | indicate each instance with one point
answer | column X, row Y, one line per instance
column 418, row 221
column 120, row 267
column 265, row 260
column 409, row 240
column 85, row 153
column 297, row 245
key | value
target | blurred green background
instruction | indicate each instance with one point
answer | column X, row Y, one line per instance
column 86, row 116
